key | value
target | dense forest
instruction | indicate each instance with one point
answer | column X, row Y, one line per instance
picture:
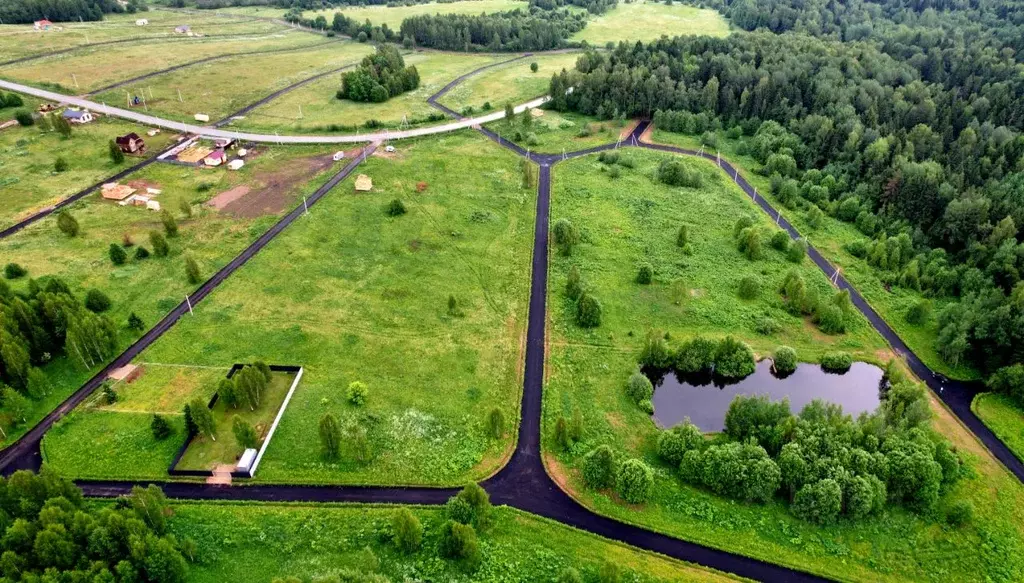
column 379, row 77
column 592, row 6
column 28, row 11
column 913, row 136
column 515, row 30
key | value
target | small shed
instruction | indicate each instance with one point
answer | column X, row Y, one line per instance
column 141, row 22
column 115, row 191
column 245, row 462
column 42, row 25
column 131, row 143
column 224, row 143
column 202, row 117
column 153, row 205
column 236, row 164
column 153, row 132
column 182, row 29
column 363, row 183
column 216, row 158
column 77, row 116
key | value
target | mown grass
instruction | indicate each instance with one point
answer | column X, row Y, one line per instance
column 647, row 21
column 392, row 15
column 19, row 40
column 350, row 293
column 513, row 83
column 28, row 181
column 204, row 453
column 633, row 219
column 892, row 303
column 556, row 132
column 99, row 440
column 309, row 541
column 153, row 286
column 1004, row 417
column 97, row 67
column 320, row 108
column 221, row 87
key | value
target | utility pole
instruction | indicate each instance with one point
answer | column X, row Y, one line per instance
column 180, row 100
column 75, row 79
column 189, row 302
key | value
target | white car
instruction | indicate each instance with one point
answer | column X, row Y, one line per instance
column 389, row 148
column 339, row 156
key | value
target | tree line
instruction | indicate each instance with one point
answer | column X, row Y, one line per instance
column 592, row 6
column 28, row 11
column 515, row 30
column 51, row 533
column 379, row 77
column 919, row 151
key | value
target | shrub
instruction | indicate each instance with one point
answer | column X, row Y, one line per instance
column 245, row 433
column 639, row 387
column 919, row 313
column 742, row 223
column 655, row 352
column 330, row 436
column 647, row 406
column 614, row 172
column 471, row 505
column 396, row 208
column 67, row 224
column 186, row 208
column 60, row 164
column 780, row 240
column 682, row 236
column 608, row 157
column 674, row 443
column 117, row 254
column 815, row 217
column 458, row 541
column 566, row 236
column 784, row 360
column 830, row 319
column 160, row 246
column 116, row 155
column 109, row 394
column 599, row 467
column 14, row 271
column 574, row 284
column 357, row 393
column 697, row 355
column 170, row 225
column 766, row 326
column 959, row 513
column 797, row 251
column 734, row 359
column 160, row 427
column 534, row 66
column 749, row 243
column 675, row 172
column 819, row 502
column 750, row 287
column 496, row 423
column 588, row 311
column 839, row 362
column 634, row 481
column 569, row 575
column 1009, row 381
column 645, row 274
column 408, row 531
column 97, row 301
column 24, row 118
column 141, row 252
column 135, row 322
column 192, row 270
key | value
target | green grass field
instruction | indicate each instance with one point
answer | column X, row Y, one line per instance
column 320, row 108
column 892, row 304
column 28, row 181
column 632, row 219
column 555, row 132
column 21, row 40
column 153, row 286
column 221, row 87
column 350, row 293
column 92, row 68
column 309, row 541
column 647, row 21
column 512, row 83
column 392, row 16
column 204, row 453
column 1004, row 418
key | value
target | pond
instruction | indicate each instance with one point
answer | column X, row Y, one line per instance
column 705, row 400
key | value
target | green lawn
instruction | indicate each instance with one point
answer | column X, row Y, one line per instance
column 393, row 16
column 221, row 87
column 153, row 286
column 19, row 40
column 204, row 453
column 309, row 541
column 320, row 109
column 892, row 304
column 647, row 21
column 632, row 219
column 350, row 293
column 28, row 181
column 556, row 132
column 512, row 83
column 1004, row 418
column 92, row 68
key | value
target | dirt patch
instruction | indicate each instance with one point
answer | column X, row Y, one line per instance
column 559, row 474
column 141, row 184
column 615, row 420
column 646, row 136
column 696, row 293
column 628, row 129
column 380, row 153
column 954, row 430
column 228, row 196
column 276, row 192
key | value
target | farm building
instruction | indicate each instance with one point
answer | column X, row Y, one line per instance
column 202, row 117
column 216, row 158
column 42, row 25
column 77, row 116
column 182, row 29
column 131, row 144
column 363, row 183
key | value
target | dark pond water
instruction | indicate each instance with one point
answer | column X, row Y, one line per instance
column 706, row 400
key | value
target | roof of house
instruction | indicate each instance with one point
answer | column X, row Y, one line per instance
column 43, row 21
column 115, row 191
column 74, row 113
column 216, row 155
column 127, row 138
